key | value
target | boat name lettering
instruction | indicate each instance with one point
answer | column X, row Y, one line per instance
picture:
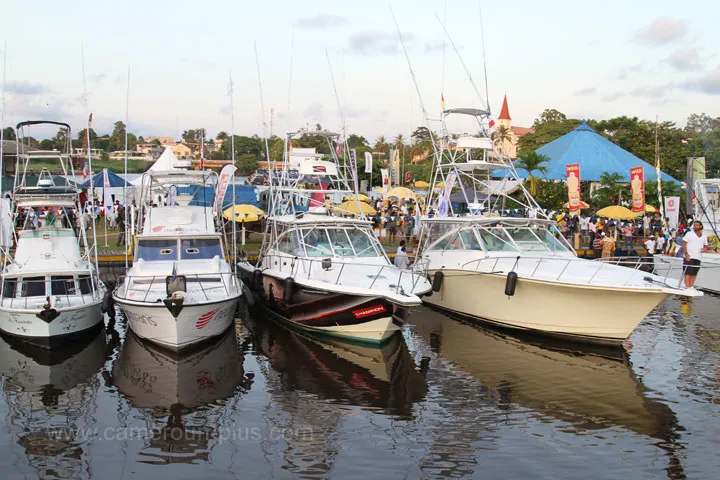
column 135, row 317
column 366, row 312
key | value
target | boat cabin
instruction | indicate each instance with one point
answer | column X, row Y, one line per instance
column 33, row 285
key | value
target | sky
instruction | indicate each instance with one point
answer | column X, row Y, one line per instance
column 167, row 65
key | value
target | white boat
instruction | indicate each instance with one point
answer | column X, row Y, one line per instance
column 51, row 292
column 322, row 270
column 707, row 210
column 180, row 289
column 520, row 272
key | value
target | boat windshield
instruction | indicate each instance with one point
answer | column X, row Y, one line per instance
column 188, row 249
column 521, row 239
column 337, row 241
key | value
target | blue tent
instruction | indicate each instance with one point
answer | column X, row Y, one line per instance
column 114, row 179
column 205, row 196
column 595, row 154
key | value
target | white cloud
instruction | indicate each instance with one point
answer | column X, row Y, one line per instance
column 26, row 88
column 708, row 83
column 662, row 31
column 321, row 21
column 376, row 43
column 687, row 60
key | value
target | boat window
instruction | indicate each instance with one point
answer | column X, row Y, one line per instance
column 9, row 285
column 288, row 244
column 340, row 242
column 526, row 239
column 62, row 285
column 552, row 241
column 33, row 287
column 363, row 244
column 200, row 248
column 316, row 242
column 470, row 240
column 496, row 239
column 157, row 250
column 85, row 284
column 451, row 242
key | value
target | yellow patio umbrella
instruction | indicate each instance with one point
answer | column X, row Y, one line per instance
column 243, row 214
column 440, row 185
column 400, row 193
column 618, row 212
column 360, row 196
column 421, row 184
column 650, row 209
column 354, row 208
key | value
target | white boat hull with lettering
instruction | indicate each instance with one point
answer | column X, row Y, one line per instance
column 194, row 324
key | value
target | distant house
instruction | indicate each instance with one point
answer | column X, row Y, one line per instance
column 513, row 133
column 181, row 150
column 169, row 141
column 131, row 155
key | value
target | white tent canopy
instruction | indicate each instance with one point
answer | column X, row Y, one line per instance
column 167, row 162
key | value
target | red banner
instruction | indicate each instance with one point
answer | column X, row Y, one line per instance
column 408, row 177
column 637, row 189
column 572, row 176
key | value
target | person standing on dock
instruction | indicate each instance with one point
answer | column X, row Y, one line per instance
column 694, row 244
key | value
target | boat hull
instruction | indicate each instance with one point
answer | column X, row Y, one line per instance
column 581, row 313
column 69, row 325
column 356, row 318
column 708, row 277
column 194, row 324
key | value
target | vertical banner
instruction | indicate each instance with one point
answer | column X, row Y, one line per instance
column 444, row 206
column 408, row 177
column 368, row 162
column 672, row 210
column 637, row 189
column 385, row 180
column 223, row 180
column 107, row 201
column 354, row 169
column 572, row 175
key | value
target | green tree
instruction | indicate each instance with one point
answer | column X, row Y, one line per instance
column 357, row 141
column 549, row 126
column 532, row 162
column 222, row 135
column 8, row 133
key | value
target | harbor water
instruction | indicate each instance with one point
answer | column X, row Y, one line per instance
column 446, row 399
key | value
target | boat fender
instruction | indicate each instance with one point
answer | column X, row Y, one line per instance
column 510, row 283
column 437, row 281
column 288, row 289
column 257, row 279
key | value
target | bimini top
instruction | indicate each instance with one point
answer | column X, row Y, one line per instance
column 179, row 220
column 318, row 219
column 475, row 112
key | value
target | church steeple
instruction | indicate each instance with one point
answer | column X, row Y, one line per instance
column 504, row 111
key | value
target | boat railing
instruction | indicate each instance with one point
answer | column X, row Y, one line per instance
column 73, row 296
column 346, row 273
column 146, row 287
column 529, row 266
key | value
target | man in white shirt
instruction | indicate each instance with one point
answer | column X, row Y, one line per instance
column 650, row 245
column 694, row 243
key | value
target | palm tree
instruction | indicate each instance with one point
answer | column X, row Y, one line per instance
column 611, row 183
column 222, row 135
column 532, row 161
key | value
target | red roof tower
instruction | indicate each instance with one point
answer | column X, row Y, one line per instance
column 504, row 111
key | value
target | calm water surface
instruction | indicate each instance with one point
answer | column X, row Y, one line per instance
column 444, row 400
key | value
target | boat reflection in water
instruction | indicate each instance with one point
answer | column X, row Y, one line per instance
column 579, row 385
column 51, row 396
column 316, row 386
column 357, row 374
column 589, row 388
column 180, row 394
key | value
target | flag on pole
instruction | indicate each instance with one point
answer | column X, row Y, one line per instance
column 491, row 125
column 226, row 175
column 107, row 201
column 339, row 149
column 368, row 162
column 442, row 101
